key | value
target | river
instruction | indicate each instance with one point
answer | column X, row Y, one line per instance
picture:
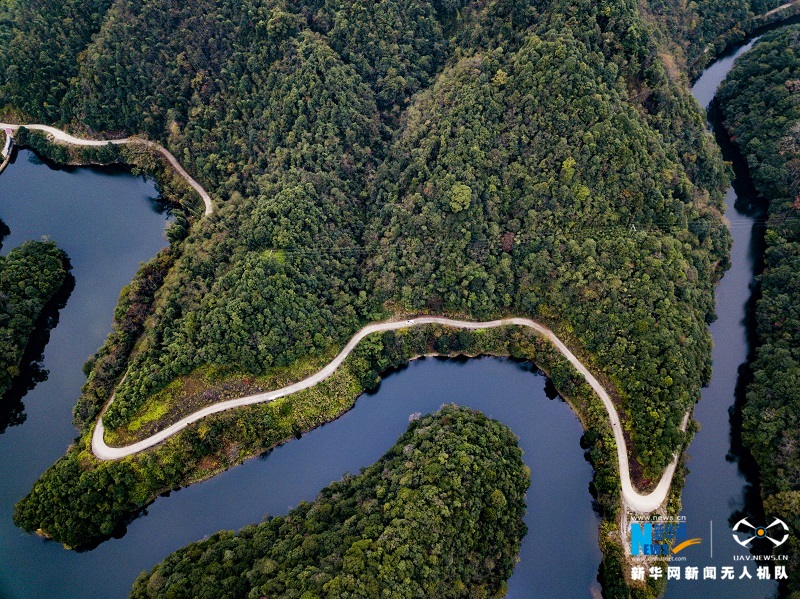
column 108, row 222
column 717, row 492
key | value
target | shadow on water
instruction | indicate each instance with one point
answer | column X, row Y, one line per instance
column 12, row 410
column 751, row 203
column 4, row 231
column 748, row 201
column 723, row 485
column 461, row 360
column 108, row 224
column 759, row 31
column 159, row 204
column 550, row 390
column 120, row 530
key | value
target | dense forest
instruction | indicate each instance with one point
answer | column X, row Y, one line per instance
column 81, row 502
column 286, row 269
column 39, row 44
column 30, row 276
column 527, row 182
column 760, row 100
column 373, row 159
column 694, row 33
column 440, row 515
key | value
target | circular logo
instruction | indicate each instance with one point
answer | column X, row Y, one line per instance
column 749, row 532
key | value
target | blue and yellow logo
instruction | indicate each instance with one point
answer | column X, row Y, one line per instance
column 660, row 538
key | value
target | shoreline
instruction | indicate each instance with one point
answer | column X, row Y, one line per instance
column 57, row 136
column 632, row 499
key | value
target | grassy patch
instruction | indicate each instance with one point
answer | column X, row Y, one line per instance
column 154, row 413
column 207, row 385
column 277, row 256
column 80, row 500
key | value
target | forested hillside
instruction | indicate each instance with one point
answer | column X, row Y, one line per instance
column 277, row 277
column 39, row 45
column 440, row 515
column 696, row 32
column 372, row 159
column 528, row 182
column 761, row 103
column 30, row 275
column 289, row 134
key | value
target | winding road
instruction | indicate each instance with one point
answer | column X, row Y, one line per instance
column 634, row 501
column 63, row 137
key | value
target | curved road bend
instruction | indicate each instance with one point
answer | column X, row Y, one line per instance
column 59, row 135
column 635, row 501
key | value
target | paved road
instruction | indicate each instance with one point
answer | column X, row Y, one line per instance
column 59, row 135
column 634, row 501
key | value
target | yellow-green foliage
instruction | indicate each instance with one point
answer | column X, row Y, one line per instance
column 227, row 438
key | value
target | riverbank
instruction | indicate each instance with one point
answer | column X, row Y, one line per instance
column 31, row 275
column 762, row 118
column 458, row 537
column 718, row 490
column 633, row 501
column 229, row 438
column 507, row 390
column 63, row 148
column 107, row 221
column 737, row 36
column 645, row 326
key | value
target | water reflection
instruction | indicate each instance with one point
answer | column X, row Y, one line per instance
column 720, row 489
column 107, row 223
column 32, row 371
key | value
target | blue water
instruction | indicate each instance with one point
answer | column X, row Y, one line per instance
column 716, row 488
column 108, row 223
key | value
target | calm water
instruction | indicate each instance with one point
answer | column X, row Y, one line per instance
column 107, row 224
column 716, row 489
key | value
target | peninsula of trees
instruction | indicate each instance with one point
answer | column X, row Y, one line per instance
column 760, row 100
column 440, row 515
column 30, row 276
column 375, row 159
column 481, row 159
